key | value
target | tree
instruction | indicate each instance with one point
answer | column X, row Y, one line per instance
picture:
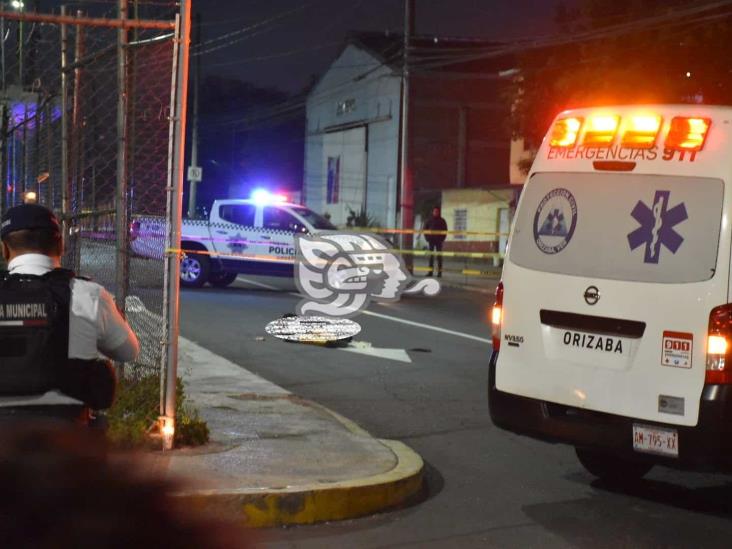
column 624, row 52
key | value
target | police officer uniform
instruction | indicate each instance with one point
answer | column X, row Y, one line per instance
column 85, row 326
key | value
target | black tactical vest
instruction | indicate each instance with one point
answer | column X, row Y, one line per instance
column 34, row 331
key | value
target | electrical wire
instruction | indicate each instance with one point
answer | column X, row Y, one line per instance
column 244, row 33
column 293, row 107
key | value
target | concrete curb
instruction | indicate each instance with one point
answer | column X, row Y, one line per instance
column 308, row 504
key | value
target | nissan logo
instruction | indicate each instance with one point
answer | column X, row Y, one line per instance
column 592, row 295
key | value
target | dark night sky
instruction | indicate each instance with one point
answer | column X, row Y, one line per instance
column 310, row 37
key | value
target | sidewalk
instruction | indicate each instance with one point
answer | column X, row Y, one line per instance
column 476, row 277
column 279, row 459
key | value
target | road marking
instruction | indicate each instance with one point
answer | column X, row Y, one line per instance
column 392, row 318
column 365, row 348
column 428, row 327
column 255, row 283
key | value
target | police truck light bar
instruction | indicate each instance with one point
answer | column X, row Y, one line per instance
column 640, row 131
column 264, row 197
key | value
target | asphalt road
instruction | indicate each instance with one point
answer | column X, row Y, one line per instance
column 486, row 488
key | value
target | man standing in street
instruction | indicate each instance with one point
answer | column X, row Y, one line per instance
column 435, row 223
column 56, row 327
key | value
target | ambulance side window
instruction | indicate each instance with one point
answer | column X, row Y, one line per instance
column 276, row 219
column 240, row 214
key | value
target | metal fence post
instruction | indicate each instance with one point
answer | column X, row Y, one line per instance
column 64, row 180
column 120, row 206
column 77, row 137
column 179, row 99
column 4, row 159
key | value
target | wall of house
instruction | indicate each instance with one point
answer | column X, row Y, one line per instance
column 477, row 210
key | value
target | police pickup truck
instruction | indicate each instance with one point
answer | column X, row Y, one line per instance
column 254, row 236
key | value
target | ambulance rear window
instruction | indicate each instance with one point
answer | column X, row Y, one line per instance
column 644, row 228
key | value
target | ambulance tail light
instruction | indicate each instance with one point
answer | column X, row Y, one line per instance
column 600, row 131
column 687, row 134
column 640, row 131
column 497, row 317
column 565, row 132
column 719, row 346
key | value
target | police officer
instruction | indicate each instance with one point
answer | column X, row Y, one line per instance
column 54, row 327
column 435, row 223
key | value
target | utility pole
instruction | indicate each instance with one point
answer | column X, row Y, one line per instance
column 406, row 194
column 195, row 178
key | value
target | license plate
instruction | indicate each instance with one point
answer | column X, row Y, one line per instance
column 609, row 345
column 655, row 440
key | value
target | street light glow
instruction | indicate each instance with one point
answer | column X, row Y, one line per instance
column 17, row 4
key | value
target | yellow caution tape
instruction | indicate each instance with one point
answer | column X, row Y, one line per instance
column 423, row 231
column 465, row 272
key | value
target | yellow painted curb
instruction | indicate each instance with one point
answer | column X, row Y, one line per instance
column 322, row 502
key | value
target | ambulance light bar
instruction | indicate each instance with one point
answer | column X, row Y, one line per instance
column 565, row 132
column 688, row 134
column 640, row 131
column 601, row 131
column 637, row 131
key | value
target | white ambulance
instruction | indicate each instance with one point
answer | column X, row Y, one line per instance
column 612, row 328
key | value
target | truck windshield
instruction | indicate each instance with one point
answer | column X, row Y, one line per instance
column 642, row 228
column 316, row 220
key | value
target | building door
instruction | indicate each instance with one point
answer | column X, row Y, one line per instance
column 344, row 166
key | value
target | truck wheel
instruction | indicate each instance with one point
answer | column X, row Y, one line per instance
column 194, row 270
column 221, row 279
column 612, row 468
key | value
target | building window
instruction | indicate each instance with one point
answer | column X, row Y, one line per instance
column 334, row 179
column 461, row 222
column 346, row 106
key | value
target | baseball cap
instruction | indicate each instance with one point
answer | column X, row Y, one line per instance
column 28, row 216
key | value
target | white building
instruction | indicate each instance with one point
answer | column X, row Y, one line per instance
column 458, row 136
column 352, row 140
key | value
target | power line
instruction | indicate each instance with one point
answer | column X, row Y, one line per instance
column 672, row 18
column 246, row 32
column 292, row 107
column 287, row 53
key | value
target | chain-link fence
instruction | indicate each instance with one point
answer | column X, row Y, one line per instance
column 86, row 129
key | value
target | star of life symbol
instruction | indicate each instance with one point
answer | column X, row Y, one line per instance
column 339, row 274
column 657, row 226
